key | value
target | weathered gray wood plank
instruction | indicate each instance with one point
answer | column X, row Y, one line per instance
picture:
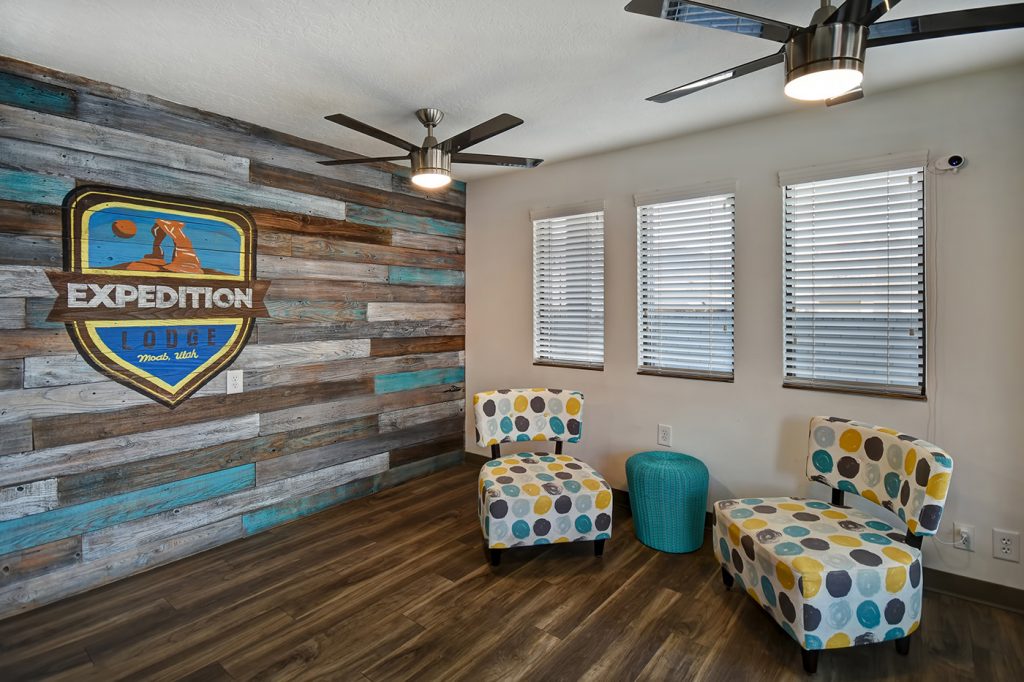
column 429, row 242
column 322, row 247
column 15, row 437
column 27, row 249
column 34, row 126
column 28, row 498
column 12, row 313
column 411, row 416
column 22, row 565
column 157, row 527
column 24, row 281
column 270, row 267
column 79, row 457
column 333, row 290
column 11, row 373
column 294, row 333
column 342, row 370
column 386, row 312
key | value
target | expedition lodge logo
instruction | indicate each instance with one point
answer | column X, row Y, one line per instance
column 158, row 293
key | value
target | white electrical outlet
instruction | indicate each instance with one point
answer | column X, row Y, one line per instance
column 963, row 536
column 665, row 435
column 235, row 381
column 1006, row 544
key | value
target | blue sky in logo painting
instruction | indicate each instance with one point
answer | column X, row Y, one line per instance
column 216, row 243
column 129, row 343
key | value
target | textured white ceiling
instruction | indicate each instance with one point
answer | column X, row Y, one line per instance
column 577, row 71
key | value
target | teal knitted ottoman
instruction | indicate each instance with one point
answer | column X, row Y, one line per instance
column 668, row 493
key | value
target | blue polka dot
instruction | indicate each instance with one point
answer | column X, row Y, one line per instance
column 742, row 586
column 723, row 548
column 547, row 459
column 522, row 437
column 822, row 461
column 846, row 486
column 894, row 633
column 814, row 504
column 892, row 484
column 493, row 463
column 571, row 486
column 557, row 426
column 510, row 490
column 545, row 477
column 602, row 536
column 789, row 630
column 542, row 541
column 520, row 529
column 868, row 582
column 506, row 425
column 520, row 508
column 767, row 590
column 583, row 524
column 788, row 549
column 868, row 614
column 943, row 460
column 752, row 500
column 839, row 614
column 875, row 539
column 812, row 643
column 878, row 525
column 740, row 513
column 902, row 514
column 796, row 531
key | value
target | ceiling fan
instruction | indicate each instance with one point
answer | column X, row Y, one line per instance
column 432, row 161
column 825, row 60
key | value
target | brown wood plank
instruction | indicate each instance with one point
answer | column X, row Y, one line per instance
column 427, row 344
column 39, row 559
column 292, row 333
column 22, row 343
column 30, row 219
column 332, row 290
column 438, row 446
column 11, row 374
column 271, row 222
column 330, row 248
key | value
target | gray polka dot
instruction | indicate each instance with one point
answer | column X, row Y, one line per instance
column 824, row 436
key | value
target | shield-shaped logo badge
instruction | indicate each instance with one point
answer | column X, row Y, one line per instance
column 158, row 293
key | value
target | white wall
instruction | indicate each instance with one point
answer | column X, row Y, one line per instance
column 752, row 433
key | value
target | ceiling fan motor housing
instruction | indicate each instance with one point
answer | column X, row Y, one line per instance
column 432, row 159
column 826, row 47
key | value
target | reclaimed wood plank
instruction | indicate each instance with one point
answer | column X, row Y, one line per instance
column 26, row 499
column 340, row 370
column 34, row 126
column 333, row 290
column 32, row 94
column 20, row 343
column 453, row 442
column 118, row 538
column 91, row 167
column 12, row 313
column 273, row 421
column 416, row 344
column 283, row 311
column 66, row 460
column 271, row 267
column 427, row 242
column 296, row 332
column 296, row 508
column 11, row 374
column 69, row 428
column 122, row 477
column 397, row 420
column 20, row 566
column 16, row 437
column 37, row 188
column 320, row 247
column 26, row 249
column 424, row 467
column 119, row 510
column 309, row 183
column 382, row 217
column 383, row 312
column 18, row 217
column 69, row 580
column 400, row 274
column 404, row 381
column 24, row 281
column 272, row 223
column 37, row 310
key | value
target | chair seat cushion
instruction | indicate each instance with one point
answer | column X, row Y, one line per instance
column 831, row 575
column 541, row 498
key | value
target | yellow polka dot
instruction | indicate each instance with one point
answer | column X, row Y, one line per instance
column 510, row 461
column 754, row 524
column 562, row 539
column 785, row 576
column 938, row 485
column 753, row 594
column 891, row 432
column 591, row 483
column 811, row 584
column 844, row 541
column 498, row 471
column 555, row 466
column 521, row 403
column 790, row 506
column 540, row 436
column 531, row 489
column 897, row 555
column 910, row 461
column 572, row 406
column 838, row 641
column 870, row 496
column 734, row 534
column 542, row 505
column 603, row 499
column 476, row 399
column 493, row 441
column 805, row 565
column 895, row 578
column 912, row 525
column 833, row 514
column 850, row 440
column 913, row 626
column 499, row 545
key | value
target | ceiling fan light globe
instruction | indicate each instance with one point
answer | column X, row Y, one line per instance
column 825, row 61
column 822, row 85
column 433, row 180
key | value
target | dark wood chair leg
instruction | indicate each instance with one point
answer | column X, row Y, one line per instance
column 810, row 660
column 903, row 645
column 727, row 578
column 598, row 547
column 495, row 557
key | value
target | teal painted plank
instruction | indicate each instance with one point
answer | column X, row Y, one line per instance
column 37, row 529
column 29, row 94
column 404, row 381
column 424, row 467
column 290, row 510
column 33, row 187
column 401, row 274
column 382, row 217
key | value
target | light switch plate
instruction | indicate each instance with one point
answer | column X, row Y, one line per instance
column 235, row 381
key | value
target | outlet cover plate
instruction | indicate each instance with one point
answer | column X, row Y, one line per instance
column 665, row 435
column 1006, row 544
column 969, row 530
column 234, row 381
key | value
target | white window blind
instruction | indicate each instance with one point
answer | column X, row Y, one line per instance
column 568, row 290
column 685, row 269
column 854, row 283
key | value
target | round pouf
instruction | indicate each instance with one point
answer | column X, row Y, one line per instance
column 668, row 493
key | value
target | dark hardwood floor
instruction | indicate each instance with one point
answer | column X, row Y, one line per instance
column 397, row 587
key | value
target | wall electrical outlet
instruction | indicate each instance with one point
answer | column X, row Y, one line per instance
column 235, row 381
column 1006, row 545
column 665, row 435
column 963, row 536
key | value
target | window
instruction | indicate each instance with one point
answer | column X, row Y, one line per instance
column 568, row 290
column 854, row 283
column 685, row 260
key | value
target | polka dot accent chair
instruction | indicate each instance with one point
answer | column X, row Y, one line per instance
column 830, row 575
column 537, row 498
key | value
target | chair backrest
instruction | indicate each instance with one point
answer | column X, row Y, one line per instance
column 521, row 414
column 904, row 474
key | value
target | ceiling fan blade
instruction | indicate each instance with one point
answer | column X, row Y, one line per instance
column 479, row 133
column 863, row 12
column 700, row 14
column 956, row 23
column 347, row 162
column 359, row 126
column 493, row 160
column 721, row 77
column 851, row 96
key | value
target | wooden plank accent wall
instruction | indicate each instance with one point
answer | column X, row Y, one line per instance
column 354, row 384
